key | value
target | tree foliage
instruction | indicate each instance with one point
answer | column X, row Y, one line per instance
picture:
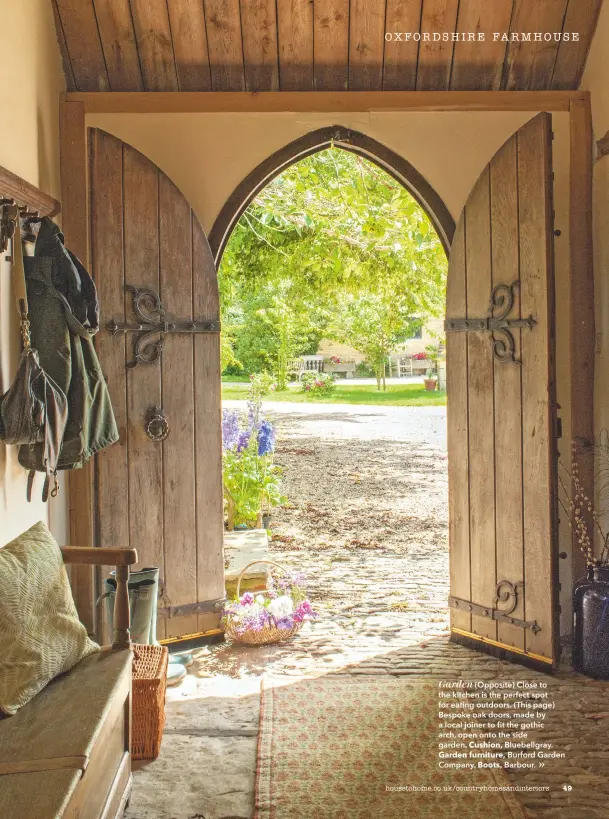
column 330, row 245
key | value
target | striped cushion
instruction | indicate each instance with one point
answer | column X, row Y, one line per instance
column 40, row 633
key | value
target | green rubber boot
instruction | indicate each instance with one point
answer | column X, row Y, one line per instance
column 147, row 575
column 143, row 591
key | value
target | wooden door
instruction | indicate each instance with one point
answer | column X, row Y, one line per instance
column 501, row 407
column 162, row 497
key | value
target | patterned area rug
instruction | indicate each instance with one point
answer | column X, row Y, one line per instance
column 345, row 748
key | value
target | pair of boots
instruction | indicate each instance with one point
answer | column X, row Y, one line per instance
column 143, row 588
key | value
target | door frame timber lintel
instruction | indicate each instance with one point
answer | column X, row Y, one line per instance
column 74, row 106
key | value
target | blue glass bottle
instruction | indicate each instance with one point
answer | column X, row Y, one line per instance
column 579, row 588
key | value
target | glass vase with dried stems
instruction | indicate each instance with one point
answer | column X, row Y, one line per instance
column 591, row 593
column 584, row 515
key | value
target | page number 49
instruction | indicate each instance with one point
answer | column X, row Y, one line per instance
column 567, row 787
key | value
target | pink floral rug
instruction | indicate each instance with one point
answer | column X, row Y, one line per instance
column 355, row 748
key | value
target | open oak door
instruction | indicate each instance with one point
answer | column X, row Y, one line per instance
column 501, row 407
column 159, row 490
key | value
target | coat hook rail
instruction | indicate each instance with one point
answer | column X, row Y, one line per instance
column 21, row 198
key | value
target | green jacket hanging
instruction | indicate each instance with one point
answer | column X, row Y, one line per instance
column 64, row 317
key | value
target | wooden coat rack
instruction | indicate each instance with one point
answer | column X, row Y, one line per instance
column 20, row 197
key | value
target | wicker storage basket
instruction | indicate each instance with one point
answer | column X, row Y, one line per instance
column 268, row 634
column 148, row 700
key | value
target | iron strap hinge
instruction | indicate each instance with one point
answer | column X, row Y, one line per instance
column 151, row 322
column 496, row 322
column 506, row 592
column 204, row 607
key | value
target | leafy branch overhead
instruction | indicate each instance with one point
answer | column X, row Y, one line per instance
column 332, row 237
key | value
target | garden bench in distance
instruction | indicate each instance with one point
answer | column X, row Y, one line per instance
column 66, row 754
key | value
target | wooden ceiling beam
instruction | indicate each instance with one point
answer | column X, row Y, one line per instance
column 115, row 26
column 331, row 45
column 322, row 101
column 189, row 35
column 400, row 58
column 260, row 49
column 155, row 44
column 581, row 16
column 295, row 27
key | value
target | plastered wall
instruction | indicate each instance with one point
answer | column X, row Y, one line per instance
column 207, row 155
column 31, row 82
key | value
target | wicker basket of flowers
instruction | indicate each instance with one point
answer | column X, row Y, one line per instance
column 271, row 615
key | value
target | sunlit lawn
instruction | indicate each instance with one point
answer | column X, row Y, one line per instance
column 396, row 395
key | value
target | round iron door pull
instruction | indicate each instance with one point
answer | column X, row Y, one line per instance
column 157, row 428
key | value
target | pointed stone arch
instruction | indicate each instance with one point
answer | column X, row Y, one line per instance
column 349, row 140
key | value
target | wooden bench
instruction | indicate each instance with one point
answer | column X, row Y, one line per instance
column 66, row 754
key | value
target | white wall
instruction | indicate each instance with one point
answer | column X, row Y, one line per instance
column 31, row 83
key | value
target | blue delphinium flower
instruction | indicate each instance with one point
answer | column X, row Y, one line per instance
column 230, row 429
column 266, row 438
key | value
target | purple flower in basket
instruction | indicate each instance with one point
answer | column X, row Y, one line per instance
column 266, row 438
column 247, row 598
column 286, row 623
column 304, row 610
column 230, row 429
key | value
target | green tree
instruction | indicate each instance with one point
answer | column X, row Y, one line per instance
column 330, row 231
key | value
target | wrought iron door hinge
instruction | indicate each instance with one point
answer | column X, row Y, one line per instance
column 204, row 607
column 505, row 592
column 496, row 323
column 147, row 307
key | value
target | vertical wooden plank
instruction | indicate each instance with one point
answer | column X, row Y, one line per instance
column 400, row 57
column 118, row 43
column 534, row 202
column 458, row 431
column 583, row 331
column 581, row 16
column 366, row 44
column 73, row 163
column 530, row 65
column 208, row 433
column 435, row 58
column 111, row 497
column 63, row 48
column 331, row 45
column 481, row 407
column 79, row 26
column 225, row 45
column 478, row 65
column 175, row 257
column 259, row 32
column 189, row 35
column 507, row 384
column 145, row 483
column 295, row 27
column 154, row 45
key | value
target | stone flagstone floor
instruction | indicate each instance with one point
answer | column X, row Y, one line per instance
column 367, row 524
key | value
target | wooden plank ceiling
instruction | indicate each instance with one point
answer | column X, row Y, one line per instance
column 324, row 45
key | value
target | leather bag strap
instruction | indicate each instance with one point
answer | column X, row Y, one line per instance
column 19, row 285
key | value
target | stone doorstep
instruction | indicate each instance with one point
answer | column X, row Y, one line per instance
column 240, row 548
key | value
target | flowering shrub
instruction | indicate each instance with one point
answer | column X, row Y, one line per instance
column 250, row 477
column 420, row 357
column 316, row 383
column 334, row 359
column 284, row 604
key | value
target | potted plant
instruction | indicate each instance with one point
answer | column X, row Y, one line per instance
column 431, row 380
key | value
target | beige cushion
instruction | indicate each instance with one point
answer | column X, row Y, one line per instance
column 40, row 633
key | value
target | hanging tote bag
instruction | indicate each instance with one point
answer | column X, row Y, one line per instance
column 34, row 410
